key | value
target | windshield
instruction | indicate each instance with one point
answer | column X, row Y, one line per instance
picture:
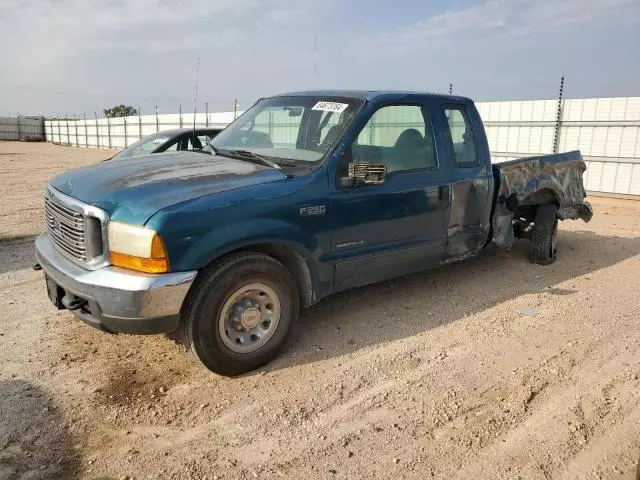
column 296, row 130
column 142, row 147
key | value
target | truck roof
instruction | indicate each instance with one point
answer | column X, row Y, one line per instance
column 375, row 94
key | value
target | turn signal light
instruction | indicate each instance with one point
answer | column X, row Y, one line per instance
column 158, row 263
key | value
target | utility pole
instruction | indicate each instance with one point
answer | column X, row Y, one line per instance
column 556, row 137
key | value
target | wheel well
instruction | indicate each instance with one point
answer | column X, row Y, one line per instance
column 292, row 260
column 540, row 197
column 529, row 206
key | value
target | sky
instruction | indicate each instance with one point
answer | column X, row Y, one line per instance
column 80, row 56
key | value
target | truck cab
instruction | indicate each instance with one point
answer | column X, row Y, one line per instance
column 432, row 204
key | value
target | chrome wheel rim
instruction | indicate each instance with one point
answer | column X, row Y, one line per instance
column 249, row 318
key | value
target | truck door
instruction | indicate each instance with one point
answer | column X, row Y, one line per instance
column 400, row 226
column 472, row 179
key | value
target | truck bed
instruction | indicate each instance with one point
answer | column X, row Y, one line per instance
column 523, row 184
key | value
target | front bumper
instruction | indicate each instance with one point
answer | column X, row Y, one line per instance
column 118, row 300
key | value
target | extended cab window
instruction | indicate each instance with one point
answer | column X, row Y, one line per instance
column 464, row 142
column 399, row 136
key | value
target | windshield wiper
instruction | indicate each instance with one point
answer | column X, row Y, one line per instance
column 249, row 155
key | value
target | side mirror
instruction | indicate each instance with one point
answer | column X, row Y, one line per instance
column 363, row 173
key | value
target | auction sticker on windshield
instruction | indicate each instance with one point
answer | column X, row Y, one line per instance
column 330, row 107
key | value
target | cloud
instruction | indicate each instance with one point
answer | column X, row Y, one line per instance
column 57, row 29
column 501, row 20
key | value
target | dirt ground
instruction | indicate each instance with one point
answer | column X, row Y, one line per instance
column 493, row 368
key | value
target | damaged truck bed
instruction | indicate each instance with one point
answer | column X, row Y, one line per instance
column 522, row 185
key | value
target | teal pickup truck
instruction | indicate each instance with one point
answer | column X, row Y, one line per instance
column 304, row 195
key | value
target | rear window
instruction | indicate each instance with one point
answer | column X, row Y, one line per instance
column 141, row 147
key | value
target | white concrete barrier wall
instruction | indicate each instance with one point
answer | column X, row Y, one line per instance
column 122, row 131
column 605, row 130
column 19, row 127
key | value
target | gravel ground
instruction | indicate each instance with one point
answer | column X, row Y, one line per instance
column 492, row 368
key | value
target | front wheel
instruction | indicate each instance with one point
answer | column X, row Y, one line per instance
column 239, row 315
column 544, row 235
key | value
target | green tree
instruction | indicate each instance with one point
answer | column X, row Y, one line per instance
column 120, row 111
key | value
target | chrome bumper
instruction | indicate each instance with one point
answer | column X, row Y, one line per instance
column 118, row 300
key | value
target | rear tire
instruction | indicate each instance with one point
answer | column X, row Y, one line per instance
column 544, row 235
column 239, row 314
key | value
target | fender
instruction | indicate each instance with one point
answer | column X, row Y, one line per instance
column 264, row 235
column 193, row 246
column 219, row 242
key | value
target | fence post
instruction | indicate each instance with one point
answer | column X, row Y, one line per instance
column 235, row 108
column 126, row 142
column 157, row 120
column 206, row 114
column 180, row 110
column 57, row 125
column 97, row 131
column 139, row 123
column 19, row 130
column 556, row 137
column 44, row 129
column 66, row 121
column 75, row 128
column 86, row 131
column 109, row 130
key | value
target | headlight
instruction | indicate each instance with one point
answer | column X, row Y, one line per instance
column 137, row 248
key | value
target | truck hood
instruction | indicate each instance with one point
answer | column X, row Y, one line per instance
column 133, row 189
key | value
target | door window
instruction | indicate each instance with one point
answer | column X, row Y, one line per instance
column 464, row 142
column 398, row 136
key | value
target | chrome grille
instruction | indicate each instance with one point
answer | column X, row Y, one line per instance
column 66, row 227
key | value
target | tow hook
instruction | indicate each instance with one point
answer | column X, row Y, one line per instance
column 37, row 267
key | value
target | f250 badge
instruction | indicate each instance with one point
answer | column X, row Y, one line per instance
column 313, row 210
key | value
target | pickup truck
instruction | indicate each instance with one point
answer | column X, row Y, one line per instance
column 304, row 195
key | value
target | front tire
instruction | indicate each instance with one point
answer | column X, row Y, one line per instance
column 544, row 235
column 238, row 316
